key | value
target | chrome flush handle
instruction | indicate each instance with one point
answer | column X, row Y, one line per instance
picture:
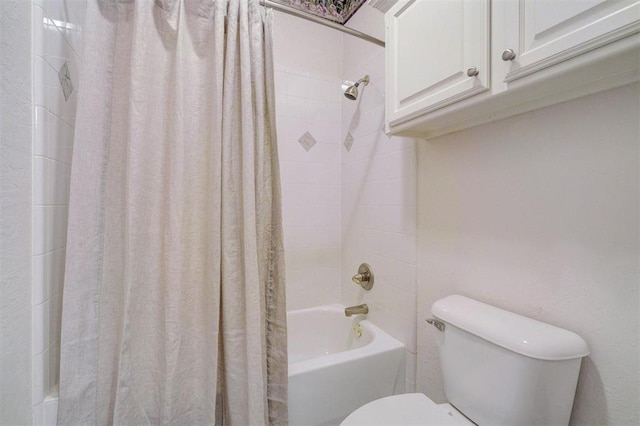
column 436, row 323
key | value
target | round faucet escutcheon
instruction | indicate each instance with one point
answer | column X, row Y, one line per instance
column 364, row 277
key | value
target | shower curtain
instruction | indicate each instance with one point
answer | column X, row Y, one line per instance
column 173, row 305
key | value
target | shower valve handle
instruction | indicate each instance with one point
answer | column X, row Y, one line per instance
column 360, row 278
column 364, row 277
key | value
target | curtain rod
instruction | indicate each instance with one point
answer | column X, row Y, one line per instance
column 295, row 12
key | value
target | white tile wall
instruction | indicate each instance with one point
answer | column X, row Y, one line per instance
column 343, row 208
column 311, row 191
column 378, row 206
column 301, row 45
column 308, row 63
column 56, row 26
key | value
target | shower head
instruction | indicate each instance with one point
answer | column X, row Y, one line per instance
column 351, row 92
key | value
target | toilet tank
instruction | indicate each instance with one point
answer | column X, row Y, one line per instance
column 501, row 368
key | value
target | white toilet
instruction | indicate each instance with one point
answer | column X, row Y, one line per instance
column 499, row 368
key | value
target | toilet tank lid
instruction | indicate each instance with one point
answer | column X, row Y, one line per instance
column 517, row 333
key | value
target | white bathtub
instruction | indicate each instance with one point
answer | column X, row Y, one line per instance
column 331, row 371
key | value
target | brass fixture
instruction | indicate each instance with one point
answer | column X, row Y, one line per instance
column 356, row 310
column 352, row 91
column 357, row 330
column 436, row 323
column 364, row 277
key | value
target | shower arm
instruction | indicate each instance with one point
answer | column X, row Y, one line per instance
column 364, row 80
column 291, row 11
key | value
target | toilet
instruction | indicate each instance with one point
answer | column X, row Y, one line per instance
column 499, row 368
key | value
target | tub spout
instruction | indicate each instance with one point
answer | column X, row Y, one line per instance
column 355, row 310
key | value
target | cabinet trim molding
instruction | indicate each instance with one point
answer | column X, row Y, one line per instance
column 577, row 50
column 448, row 101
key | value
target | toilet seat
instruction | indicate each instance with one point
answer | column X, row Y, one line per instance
column 406, row 409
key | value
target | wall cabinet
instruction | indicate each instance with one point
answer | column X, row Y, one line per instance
column 438, row 53
column 453, row 64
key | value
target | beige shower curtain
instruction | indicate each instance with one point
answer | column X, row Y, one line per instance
column 173, row 309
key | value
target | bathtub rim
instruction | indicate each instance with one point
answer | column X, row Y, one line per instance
column 381, row 342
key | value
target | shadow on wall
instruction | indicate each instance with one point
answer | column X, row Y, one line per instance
column 353, row 132
column 590, row 388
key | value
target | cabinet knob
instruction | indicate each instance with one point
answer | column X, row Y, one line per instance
column 472, row 72
column 508, row 55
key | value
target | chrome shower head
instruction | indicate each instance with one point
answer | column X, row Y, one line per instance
column 351, row 92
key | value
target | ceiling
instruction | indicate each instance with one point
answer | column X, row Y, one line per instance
column 333, row 10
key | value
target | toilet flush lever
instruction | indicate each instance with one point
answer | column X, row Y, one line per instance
column 436, row 323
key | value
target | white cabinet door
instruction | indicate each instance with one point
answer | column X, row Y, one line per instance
column 432, row 48
column 543, row 33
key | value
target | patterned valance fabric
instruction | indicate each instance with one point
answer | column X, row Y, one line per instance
column 334, row 10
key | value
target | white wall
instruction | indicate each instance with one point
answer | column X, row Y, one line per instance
column 56, row 25
column 378, row 198
column 36, row 134
column 538, row 214
column 367, row 20
column 308, row 62
column 343, row 208
column 15, row 212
